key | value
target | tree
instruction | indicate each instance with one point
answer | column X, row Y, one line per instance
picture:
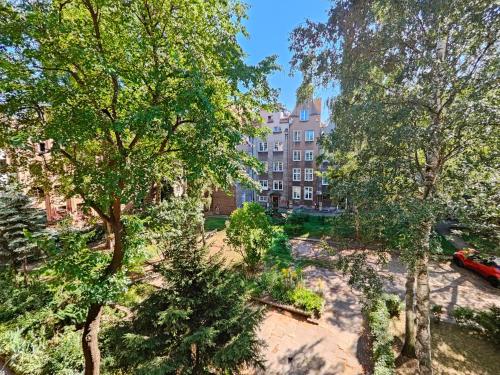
column 128, row 93
column 250, row 233
column 200, row 321
column 418, row 91
column 19, row 220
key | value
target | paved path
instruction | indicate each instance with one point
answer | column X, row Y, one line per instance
column 336, row 345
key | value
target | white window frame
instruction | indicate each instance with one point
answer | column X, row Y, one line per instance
column 277, row 166
column 278, row 146
column 296, row 155
column 264, row 184
column 296, row 135
column 308, row 193
column 295, row 192
column 324, row 180
column 278, row 185
column 262, row 198
column 308, row 155
column 306, row 136
column 262, row 146
column 308, row 174
column 296, row 174
column 304, row 115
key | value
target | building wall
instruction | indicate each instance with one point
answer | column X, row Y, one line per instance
column 222, row 202
column 305, row 118
column 276, row 194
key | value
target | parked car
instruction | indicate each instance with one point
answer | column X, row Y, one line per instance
column 488, row 267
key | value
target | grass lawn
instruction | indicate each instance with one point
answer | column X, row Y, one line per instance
column 313, row 227
column 215, row 223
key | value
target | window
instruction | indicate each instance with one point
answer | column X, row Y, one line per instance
column 304, row 115
column 277, row 185
column 277, row 129
column 308, row 193
column 308, row 155
column 262, row 198
column 262, row 146
column 264, row 184
column 278, row 146
column 296, row 174
column 296, row 136
column 266, row 166
column 309, row 135
column 308, row 174
column 277, row 166
column 324, row 180
column 270, row 118
column 295, row 192
column 296, row 155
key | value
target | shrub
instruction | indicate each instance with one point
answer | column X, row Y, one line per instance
column 297, row 218
column 393, row 304
column 280, row 252
column 307, row 300
column 293, row 229
column 249, row 232
column 486, row 322
column 343, row 226
column 278, row 283
column 378, row 320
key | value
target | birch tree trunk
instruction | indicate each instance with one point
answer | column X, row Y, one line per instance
column 409, row 350
column 423, row 337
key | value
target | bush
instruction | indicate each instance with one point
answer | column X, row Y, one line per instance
column 249, row 232
column 278, row 283
column 393, row 304
column 343, row 226
column 297, row 218
column 293, row 229
column 378, row 320
column 486, row 322
column 280, row 252
column 307, row 300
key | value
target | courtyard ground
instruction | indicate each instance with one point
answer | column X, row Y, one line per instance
column 338, row 344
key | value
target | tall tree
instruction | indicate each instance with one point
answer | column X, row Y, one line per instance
column 418, row 89
column 127, row 92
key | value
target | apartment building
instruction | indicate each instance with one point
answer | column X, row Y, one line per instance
column 273, row 153
column 293, row 176
column 306, row 186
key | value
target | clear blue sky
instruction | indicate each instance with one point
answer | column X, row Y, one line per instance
column 269, row 25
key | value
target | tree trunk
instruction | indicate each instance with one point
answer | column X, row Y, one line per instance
column 357, row 223
column 408, row 350
column 90, row 340
column 423, row 342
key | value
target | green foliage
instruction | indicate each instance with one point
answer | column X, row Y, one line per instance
column 441, row 245
column 307, row 300
column 486, row 322
column 20, row 226
column 280, row 252
column 393, row 304
column 378, row 321
column 343, row 226
column 304, row 225
column 250, row 232
column 199, row 322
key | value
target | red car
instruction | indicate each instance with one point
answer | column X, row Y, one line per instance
column 489, row 268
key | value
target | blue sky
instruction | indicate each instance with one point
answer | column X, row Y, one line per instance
column 269, row 25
